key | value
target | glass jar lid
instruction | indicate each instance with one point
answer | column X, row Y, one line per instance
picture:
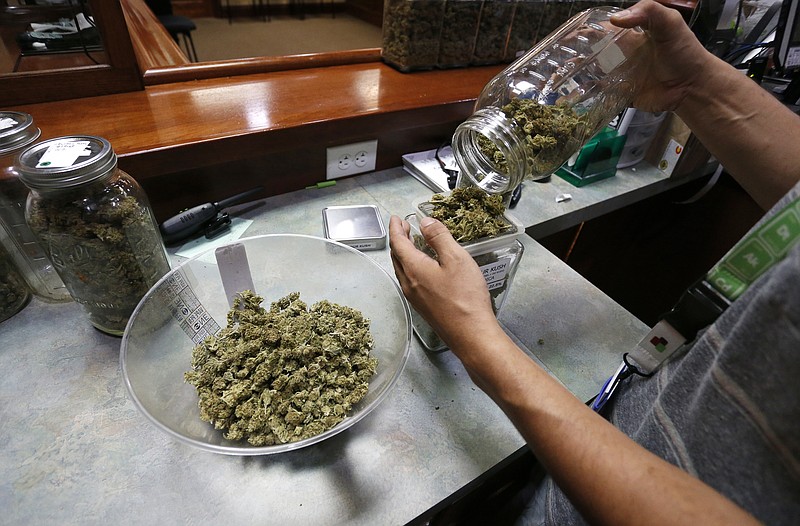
column 16, row 131
column 66, row 162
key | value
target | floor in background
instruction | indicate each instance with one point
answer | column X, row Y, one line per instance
column 216, row 39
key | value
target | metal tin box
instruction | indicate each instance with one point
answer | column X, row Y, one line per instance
column 359, row 226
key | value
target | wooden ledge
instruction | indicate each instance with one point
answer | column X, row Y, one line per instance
column 198, row 140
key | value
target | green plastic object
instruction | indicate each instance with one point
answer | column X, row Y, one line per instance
column 596, row 161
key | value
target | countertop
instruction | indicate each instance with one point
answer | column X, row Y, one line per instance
column 77, row 451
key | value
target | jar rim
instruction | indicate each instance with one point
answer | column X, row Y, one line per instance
column 493, row 124
column 16, row 136
column 95, row 160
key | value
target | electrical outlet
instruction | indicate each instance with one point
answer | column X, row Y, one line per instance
column 351, row 159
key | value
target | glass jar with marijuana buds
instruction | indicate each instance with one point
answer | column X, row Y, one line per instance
column 17, row 131
column 95, row 224
column 540, row 110
column 14, row 292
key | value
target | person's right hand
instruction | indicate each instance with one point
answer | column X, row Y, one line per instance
column 677, row 59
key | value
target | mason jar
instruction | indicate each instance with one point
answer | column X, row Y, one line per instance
column 14, row 292
column 410, row 33
column 18, row 131
column 95, row 223
column 540, row 110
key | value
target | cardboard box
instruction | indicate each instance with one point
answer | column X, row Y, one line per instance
column 675, row 150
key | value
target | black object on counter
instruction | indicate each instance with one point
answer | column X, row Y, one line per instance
column 205, row 218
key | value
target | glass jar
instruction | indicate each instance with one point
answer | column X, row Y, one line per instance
column 410, row 34
column 524, row 28
column 541, row 109
column 459, row 31
column 14, row 293
column 17, row 131
column 95, row 224
column 495, row 22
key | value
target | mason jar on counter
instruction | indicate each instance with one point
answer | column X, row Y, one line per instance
column 540, row 110
column 95, row 223
column 17, row 132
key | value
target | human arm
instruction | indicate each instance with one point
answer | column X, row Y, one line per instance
column 599, row 468
column 751, row 133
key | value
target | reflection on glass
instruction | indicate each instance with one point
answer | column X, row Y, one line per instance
column 37, row 35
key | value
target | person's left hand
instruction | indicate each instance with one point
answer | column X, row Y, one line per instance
column 450, row 291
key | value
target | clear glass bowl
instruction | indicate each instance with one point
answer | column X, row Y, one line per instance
column 185, row 304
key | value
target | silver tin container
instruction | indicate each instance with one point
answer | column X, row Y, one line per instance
column 358, row 226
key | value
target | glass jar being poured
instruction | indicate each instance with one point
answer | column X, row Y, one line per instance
column 540, row 110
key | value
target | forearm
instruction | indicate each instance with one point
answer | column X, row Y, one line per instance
column 753, row 135
column 604, row 473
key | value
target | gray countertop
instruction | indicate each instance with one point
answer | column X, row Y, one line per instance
column 75, row 449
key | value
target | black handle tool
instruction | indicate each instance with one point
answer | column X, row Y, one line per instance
column 204, row 218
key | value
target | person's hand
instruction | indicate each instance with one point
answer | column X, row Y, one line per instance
column 677, row 59
column 449, row 292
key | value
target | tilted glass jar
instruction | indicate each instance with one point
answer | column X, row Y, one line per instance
column 541, row 109
column 18, row 131
column 95, row 224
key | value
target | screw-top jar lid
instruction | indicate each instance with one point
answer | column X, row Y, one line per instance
column 16, row 131
column 66, row 162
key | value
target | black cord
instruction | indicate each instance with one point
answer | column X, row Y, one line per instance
column 744, row 49
column 78, row 27
column 632, row 369
column 452, row 175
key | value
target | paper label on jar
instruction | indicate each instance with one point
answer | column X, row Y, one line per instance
column 7, row 123
column 495, row 272
column 62, row 154
column 608, row 56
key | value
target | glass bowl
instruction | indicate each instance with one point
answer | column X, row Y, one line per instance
column 190, row 303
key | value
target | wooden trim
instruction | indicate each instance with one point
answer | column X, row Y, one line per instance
column 119, row 75
column 152, row 45
column 162, row 62
column 191, row 142
column 248, row 66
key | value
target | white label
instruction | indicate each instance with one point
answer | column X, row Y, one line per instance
column 608, row 56
column 793, row 57
column 495, row 273
column 234, row 270
column 62, row 154
column 7, row 123
column 363, row 246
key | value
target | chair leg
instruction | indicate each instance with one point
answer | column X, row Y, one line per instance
column 188, row 43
